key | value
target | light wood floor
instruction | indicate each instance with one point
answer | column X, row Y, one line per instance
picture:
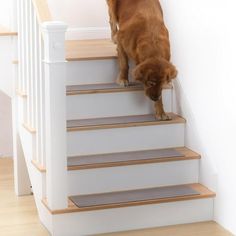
column 18, row 216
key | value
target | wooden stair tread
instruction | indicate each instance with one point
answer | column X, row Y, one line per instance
column 105, row 88
column 120, row 122
column 124, row 197
column 6, row 32
column 126, row 159
column 81, row 50
column 131, row 158
column 98, row 49
column 133, row 198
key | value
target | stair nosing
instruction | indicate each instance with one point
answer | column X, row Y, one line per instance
column 181, row 150
column 90, row 58
column 120, row 89
column 134, row 87
column 74, row 45
column 130, row 163
column 204, row 194
column 193, row 156
column 176, row 120
column 6, row 32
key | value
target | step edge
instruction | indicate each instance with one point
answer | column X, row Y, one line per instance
column 43, row 169
column 112, row 55
column 75, row 209
column 5, row 31
column 109, row 90
column 22, row 93
column 29, row 128
column 92, row 58
column 68, row 59
column 131, row 163
column 38, row 166
column 177, row 120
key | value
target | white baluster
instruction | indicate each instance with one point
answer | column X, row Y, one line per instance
column 42, row 100
column 55, row 104
column 37, row 61
column 19, row 17
column 22, row 62
column 32, row 63
column 27, row 62
column 21, row 178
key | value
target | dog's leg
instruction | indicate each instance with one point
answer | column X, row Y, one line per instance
column 113, row 19
column 123, row 78
column 160, row 113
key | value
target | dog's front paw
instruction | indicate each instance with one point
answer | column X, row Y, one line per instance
column 122, row 81
column 163, row 117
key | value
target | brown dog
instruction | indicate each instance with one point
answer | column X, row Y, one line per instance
column 138, row 29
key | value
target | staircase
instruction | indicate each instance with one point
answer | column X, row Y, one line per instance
column 98, row 160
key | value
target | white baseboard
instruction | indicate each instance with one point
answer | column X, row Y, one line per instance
column 88, row 33
column 5, row 156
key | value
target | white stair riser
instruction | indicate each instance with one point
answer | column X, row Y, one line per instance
column 133, row 218
column 38, row 179
column 92, row 72
column 125, row 139
column 113, row 104
column 132, row 177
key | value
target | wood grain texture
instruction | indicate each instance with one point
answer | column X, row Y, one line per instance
column 98, row 88
column 100, row 49
column 6, row 32
column 82, row 50
column 125, row 159
column 42, row 10
column 197, row 229
column 90, row 162
column 18, row 216
column 204, row 193
column 39, row 167
column 105, row 88
column 120, row 122
column 130, row 196
column 29, row 129
column 21, row 93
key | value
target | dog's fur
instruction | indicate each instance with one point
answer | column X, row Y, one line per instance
column 138, row 29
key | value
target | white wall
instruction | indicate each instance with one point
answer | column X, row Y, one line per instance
column 78, row 14
column 86, row 19
column 5, row 126
column 6, row 13
column 6, row 77
column 203, row 42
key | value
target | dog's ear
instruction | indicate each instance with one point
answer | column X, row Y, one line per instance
column 170, row 72
column 142, row 71
column 138, row 73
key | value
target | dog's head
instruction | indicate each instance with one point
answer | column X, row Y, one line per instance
column 154, row 74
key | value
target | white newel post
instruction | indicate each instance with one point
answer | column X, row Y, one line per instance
column 55, row 113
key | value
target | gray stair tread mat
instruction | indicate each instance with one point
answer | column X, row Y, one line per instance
column 115, row 120
column 83, row 201
column 123, row 157
column 87, row 87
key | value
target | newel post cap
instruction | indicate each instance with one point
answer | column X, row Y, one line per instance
column 54, row 26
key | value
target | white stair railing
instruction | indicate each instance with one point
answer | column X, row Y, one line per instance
column 42, row 79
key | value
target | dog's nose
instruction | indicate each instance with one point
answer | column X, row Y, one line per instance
column 154, row 98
